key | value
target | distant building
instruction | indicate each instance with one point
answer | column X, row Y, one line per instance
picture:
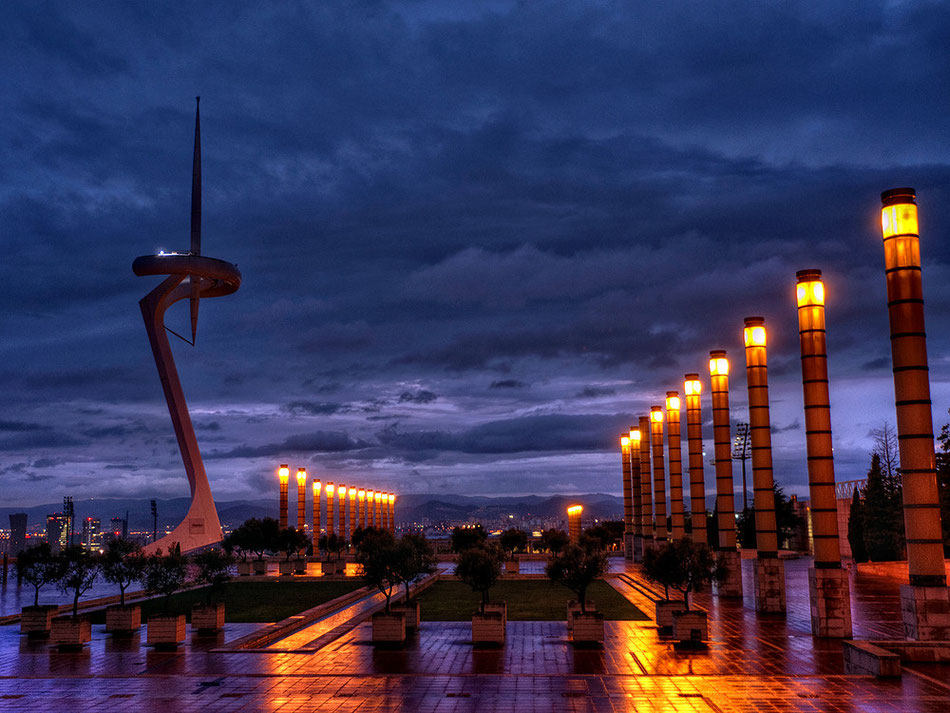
column 17, row 540
column 91, row 533
column 57, row 531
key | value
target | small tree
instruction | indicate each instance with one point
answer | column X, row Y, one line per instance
column 291, row 541
column 577, row 568
column 479, row 568
column 164, row 574
column 239, row 541
column 884, row 537
column 260, row 536
column 465, row 538
column 554, row 540
column 415, row 560
column 38, row 566
column 333, row 543
column 513, row 539
column 856, row 528
column 380, row 559
column 78, row 573
column 214, row 569
column 122, row 564
column 683, row 565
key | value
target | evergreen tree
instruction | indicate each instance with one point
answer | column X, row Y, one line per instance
column 856, row 528
column 882, row 508
column 943, row 484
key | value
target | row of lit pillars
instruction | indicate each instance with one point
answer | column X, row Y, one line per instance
column 630, row 449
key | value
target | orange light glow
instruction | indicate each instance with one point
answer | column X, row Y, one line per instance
column 352, row 492
column 673, row 403
column 361, row 494
column 625, row 441
column 341, row 491
column 369, row 495
column 301, row 476
column 693, row 387
column 575, row 510
column 754, row 336
column 284, row 473
column 392, row 498
column 329, row 488
column 379, row 497
column 899, row 219
column 810, row 293
column 316, row 487
column 656, row 414
column 635, row 435
column 719, row 366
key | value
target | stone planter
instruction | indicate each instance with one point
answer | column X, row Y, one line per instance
column 300, row 566
column 207, row 618
column 690, row 626
column 498, row 606
column 334, row 567
column 165, row 632
column 587, row 628
column 665, row 608
column 512, row 566
column 285, row 567
column 259, row 567
column 36, row 622
column 123, row 620
column 70, row 633
column 573, row 607
column 244, row 569
column 411, row 610
column 389, row 629
column 488, row 629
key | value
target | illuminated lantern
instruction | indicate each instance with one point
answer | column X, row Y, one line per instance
column 283, row 474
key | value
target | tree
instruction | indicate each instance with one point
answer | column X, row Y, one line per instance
column 415, row 559
column 257, row 535
column 786, row 520
column 684, row 565
column 886, row 447
column 745, row 528
column 214, row 569
column 480, row 568
column 164, row 574
column 334, row 543
column 38, row 566
column 465, row 538
column 379, row 557
column 554, row 540
column 577, row 568
column 238, row 541
column 513, row 539
column 122, row 564
column 943, row 484
column 291, row 541
column 883, row 515
column 602, row 536
column 856, row 519
column 78, row 572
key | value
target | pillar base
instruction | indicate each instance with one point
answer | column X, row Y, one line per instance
column 731, row 587
column 926, row 612
column 829, row 592
column 628, row 546
column 638, row 548
column 769, row 585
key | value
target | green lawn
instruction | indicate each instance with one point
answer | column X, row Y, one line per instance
column 528, row 600
column 258, row 602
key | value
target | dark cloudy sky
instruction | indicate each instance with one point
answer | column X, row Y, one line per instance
column 477, row 239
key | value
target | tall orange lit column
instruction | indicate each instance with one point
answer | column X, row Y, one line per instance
column 574, row 513
column 283, row 473
column 646, row 483
column 361, row 508
column 828, row 586
column 352, row 493
column 392, row 512
column 674, row 445
column 341, row 523
column 693, row 387
column 728, row 555
column 637, row 494
column 924, row 601
column 317, row 504
column 370, row 517
column 769, row 569
column 627, row 497
column 331, row 511
column 659, row 473
column 379, row 517
column 302, row 499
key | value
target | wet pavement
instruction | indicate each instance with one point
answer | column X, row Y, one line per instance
column 754, row 663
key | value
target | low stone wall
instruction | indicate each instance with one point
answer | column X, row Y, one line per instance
column 894, row 570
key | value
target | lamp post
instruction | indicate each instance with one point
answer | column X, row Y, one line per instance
column 361, row 508
column 302, row 499
column 635, row 488
column 317, row 505
column 924, row 601
column 769, row 569
column 725, row 490
column 392, row 512
column 627, row 499
column 370, row 516
column 331, row 512
column 693, row 387
column 646, row 485
column 352, row 494
column 828, row 586
column 574, row 523
column 283, row 473
column 659, row 473
column 342, row 522
column 674, row 444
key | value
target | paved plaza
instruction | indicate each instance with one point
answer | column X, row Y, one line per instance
column 754, row 663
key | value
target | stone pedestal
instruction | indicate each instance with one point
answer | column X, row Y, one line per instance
column 36, row 622
column 830, row 595
column 926, row 612
column 70, row 633
column 628, row 546
column 488, row 628
column 573, row 607
column 690, row 626
column 587, row 628
column 389, row 629
column 165, row 632
column 500, row 606
column 731, row 587
column 207, row 618
column 769, row 585
column 665, row 609
column 638, row 546
column 122, row 621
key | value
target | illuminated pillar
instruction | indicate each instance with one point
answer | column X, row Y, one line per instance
column 637, row 491
column 646, row 482
column 828, row 585
column 283, row 473
column 370, row 515
column 769, row 569
column 352, row 494
column 379, row 517
column 331, row 511
column 693, row 387
column 385, row 510
column 574, row 523
column 627, row 498
column 674, row 444
column 317, row 504
column 659, row 473
column 302, row 499
column 924, row 601
column 392, row 512
column 341, row 524
column 361, row 508
column 728, row 555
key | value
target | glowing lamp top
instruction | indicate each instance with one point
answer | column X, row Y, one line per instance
column 656, row 414
column 718, row 364
column 379, row 496
column 692, row 385
column 810, row 290
column 635, row 435
column 329, row 488
column 625, row 441
column 369, row 494
column 899, row 219
column 342, row 490
column 283, row 473
column 575, row 510
column 754, row 332
column 392, row 498
column 672, row 401
column 361, row 494
column 352, row 492
column 316, row 486
column 301, row 476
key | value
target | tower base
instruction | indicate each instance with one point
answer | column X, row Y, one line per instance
column 769, row 585
column 628, row 548
column 638, row 548
column 829, row 592
column 731, row 586
column 926, row 612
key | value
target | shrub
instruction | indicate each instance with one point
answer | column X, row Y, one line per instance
column 513, row 539
column 465, row 538
column 554, row 540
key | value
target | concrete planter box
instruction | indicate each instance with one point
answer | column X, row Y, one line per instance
column 165, row 632
column 285, row 567
column 300, row 566
column 488, row 629
column 244, row 569
column 690, row 627
column 411, row 610
column 512, row 566
column 259, row 567
column 70, row 633
column 36, row 622
column 587, row 628
column 665, row 609
column 500, row 607
column 389, row 629
column 575, row 606
column 334, row 567
column 207, row 618
column 122, row 620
